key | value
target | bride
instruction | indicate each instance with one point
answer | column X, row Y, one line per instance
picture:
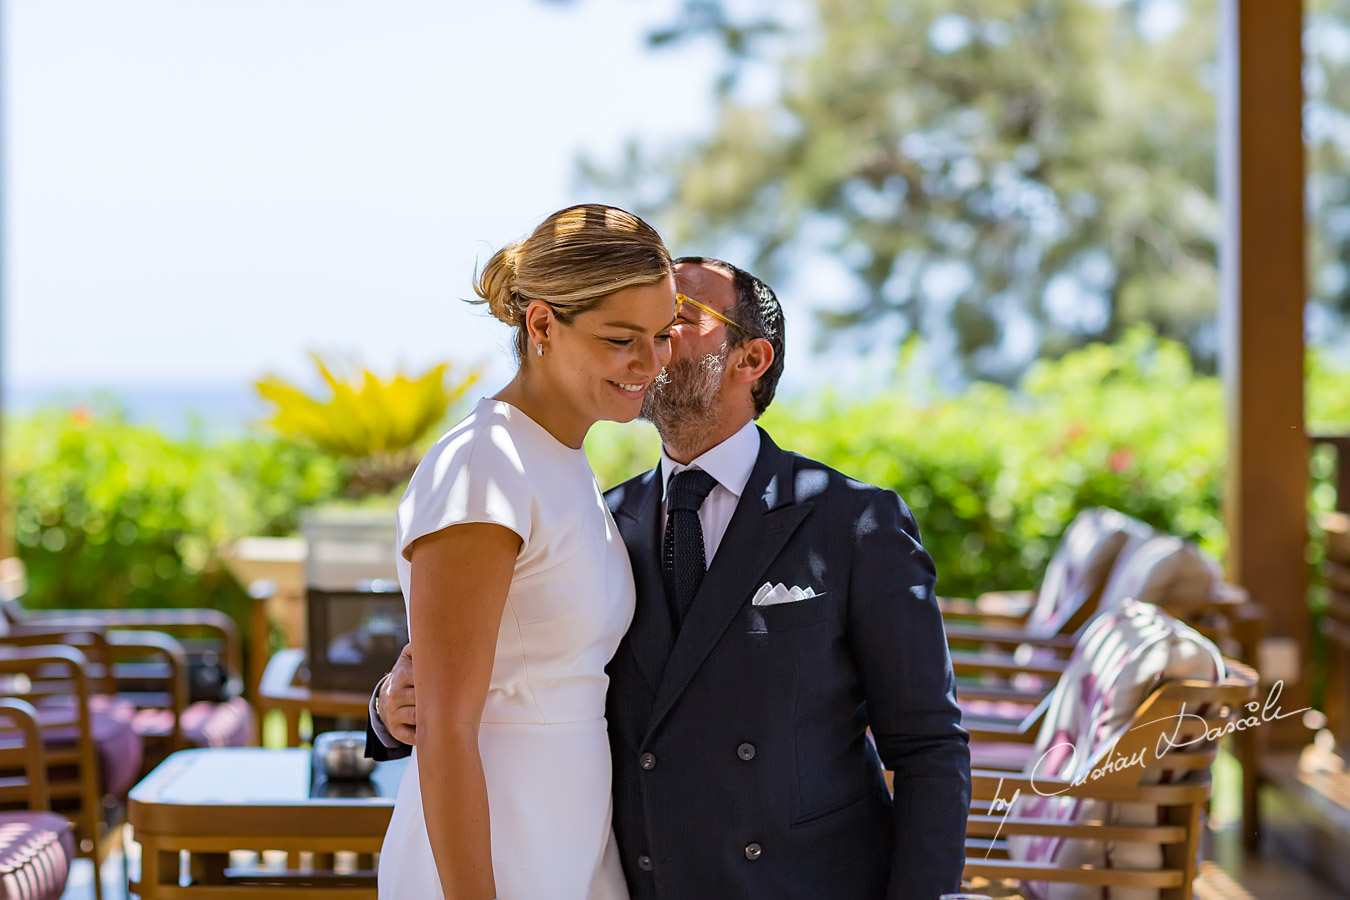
column 518, row 584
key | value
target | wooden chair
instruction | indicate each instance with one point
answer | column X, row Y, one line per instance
column 1075, row 575
column 1115, row 787
column 36, row 845
column 1164, row 570
column 1018, row 666
column 157, row 654
column 53, row 685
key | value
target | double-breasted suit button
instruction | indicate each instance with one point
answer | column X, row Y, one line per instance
column 746, row 751
column 647, row 761
column 645, row 863
column 753, row 851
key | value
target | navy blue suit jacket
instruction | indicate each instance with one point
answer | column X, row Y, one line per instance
column 742, row 763
column 742, row 766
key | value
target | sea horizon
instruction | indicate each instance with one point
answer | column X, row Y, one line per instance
column 212, row 409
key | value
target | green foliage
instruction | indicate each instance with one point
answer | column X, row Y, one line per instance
column 997, row 160
column 618, row 452
column 376, row 423
column 995, row 475
column 111, row 514
column 957, row 167
column 1327, row 86
column 1327, row 398
column 1327, row 395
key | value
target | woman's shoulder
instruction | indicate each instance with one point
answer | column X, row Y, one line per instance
column 483, row 438
column 474, row 472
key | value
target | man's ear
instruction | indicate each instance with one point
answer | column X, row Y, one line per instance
column 753, row 361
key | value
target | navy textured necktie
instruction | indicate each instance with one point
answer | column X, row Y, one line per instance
column 682, row 558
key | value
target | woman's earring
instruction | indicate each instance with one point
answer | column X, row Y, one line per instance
column 539, row 348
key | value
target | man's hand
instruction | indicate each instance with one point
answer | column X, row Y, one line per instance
column 398, row 700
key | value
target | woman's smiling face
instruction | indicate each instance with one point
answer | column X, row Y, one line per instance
column 605, row 359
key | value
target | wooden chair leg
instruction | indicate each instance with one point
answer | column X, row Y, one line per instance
column 1247, row 748
column 159, row 869
column 89, row 827
column 1183, row 856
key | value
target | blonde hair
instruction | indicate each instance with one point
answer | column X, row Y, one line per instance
column 574, row 260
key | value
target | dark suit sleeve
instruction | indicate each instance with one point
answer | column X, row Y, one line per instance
column 376, row 748
column 896, row 633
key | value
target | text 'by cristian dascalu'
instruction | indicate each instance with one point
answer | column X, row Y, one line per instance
column 1177, row 738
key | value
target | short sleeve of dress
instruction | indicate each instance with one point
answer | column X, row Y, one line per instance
column 468, row 478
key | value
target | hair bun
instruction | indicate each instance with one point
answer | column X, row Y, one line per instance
column 496, row 284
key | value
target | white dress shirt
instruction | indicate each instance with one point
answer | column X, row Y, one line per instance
column 730, row 463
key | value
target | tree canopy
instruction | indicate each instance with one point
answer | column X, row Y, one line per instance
column 1014, row 178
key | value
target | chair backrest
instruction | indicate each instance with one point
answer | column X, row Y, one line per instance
column 1162, row 570
column 1080, row 566
column 1122, row 660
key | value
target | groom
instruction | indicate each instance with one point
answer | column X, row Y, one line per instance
column 740, row 700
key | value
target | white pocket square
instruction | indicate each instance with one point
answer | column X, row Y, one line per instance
column 773, row 594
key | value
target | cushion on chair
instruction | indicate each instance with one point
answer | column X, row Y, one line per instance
column 1081, row 564
column 205, row 724
column 119, row 747
column 1087, row 554
column 1165, row 571
column 36, row 849
column 1122, row 657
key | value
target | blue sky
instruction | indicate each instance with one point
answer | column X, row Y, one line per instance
column 198, row 193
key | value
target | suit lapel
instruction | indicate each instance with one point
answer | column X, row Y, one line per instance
column 765, row 518
column 638, row 518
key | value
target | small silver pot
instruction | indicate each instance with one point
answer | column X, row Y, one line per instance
column 340, row 756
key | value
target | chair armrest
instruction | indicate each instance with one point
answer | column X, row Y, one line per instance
column 1008, row 608
column 29, row 627
column 170, row 621
column 987, row 784
column 989, row 824
column 26, row 660
column 1098, row 876
column 90, row 642
column 959, row 631
column 965, row 662
column 1000, row 694
column 22, row 716
column 84, row 633
column 38, row 662
column 998, row 732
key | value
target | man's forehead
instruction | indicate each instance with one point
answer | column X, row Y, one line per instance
column 705, row 283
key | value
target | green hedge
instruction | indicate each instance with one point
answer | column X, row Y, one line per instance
column 112, row 514
column 109, row 514
column 994, row 475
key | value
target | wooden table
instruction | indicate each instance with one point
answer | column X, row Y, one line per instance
column 214, row 801
column 284, row 687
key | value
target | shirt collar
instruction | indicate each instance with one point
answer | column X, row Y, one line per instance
column 730, row 462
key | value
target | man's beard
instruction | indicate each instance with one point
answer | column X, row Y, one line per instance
column 682, row 401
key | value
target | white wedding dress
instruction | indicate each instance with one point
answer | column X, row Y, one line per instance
column 543, row 739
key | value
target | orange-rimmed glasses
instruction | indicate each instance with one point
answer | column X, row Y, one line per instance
column 681, row 299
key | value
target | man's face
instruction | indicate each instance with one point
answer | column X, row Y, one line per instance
column 697, row 334
column 687, row 391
